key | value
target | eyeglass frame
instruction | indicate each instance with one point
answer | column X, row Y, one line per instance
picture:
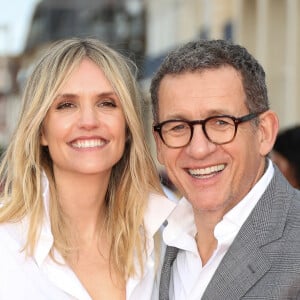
column 236, row 121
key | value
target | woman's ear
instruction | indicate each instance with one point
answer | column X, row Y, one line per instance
column 43, row 140
column 268, row 130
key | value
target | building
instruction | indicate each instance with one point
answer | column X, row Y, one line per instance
column 146, row 30
column 269, row 29
column 121, row 24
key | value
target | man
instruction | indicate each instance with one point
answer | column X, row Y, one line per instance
column 236, row 232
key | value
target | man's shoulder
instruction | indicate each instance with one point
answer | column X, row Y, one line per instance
column 294, row 210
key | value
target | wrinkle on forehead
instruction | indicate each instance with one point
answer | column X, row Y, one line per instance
column 206, row 93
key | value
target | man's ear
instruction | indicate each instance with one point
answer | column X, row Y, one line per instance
column 159, row 144
column 268, row 130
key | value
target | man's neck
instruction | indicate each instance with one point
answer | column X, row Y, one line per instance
column 206, row 242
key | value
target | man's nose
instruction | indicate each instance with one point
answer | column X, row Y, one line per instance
column 199, row 145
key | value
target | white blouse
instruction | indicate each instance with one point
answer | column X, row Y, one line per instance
column 39, row 277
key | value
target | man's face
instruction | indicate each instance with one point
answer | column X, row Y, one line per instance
column 212, row 177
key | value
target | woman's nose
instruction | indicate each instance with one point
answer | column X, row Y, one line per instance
column 88, row 118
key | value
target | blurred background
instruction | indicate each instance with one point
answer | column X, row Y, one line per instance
column 146, row 30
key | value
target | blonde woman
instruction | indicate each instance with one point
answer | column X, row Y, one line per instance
column 81, row 200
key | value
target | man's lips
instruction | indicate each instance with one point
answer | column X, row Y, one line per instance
column 206, row 172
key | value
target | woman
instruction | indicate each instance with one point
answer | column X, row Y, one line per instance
column 81, row 200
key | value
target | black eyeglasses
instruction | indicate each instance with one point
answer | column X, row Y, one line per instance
column 217, row 129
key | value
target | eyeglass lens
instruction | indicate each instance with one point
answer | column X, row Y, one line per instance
column 218, row 130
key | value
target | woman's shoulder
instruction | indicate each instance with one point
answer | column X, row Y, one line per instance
column 12, row 237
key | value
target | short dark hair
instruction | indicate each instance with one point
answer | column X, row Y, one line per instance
column 201, row 55
column 287, row 144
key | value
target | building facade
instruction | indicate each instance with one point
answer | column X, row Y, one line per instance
column 269, row 29
column 146, row 30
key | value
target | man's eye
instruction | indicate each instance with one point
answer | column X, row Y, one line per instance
column 176, row 128
column 221, row 122
column 64, row 105
column 179, row 127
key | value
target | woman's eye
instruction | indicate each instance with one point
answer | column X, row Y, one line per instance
column 64, row 105
column 107, row 103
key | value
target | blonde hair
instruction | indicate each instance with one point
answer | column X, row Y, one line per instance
column 132, row 179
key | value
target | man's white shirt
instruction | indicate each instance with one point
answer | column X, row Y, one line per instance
column 189, row 278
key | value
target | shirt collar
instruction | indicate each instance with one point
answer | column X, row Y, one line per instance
column 45, row 240
column 158, row 209
column 235, row 218
column 181, row 226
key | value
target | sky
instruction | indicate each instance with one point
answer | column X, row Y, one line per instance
column 15, row 18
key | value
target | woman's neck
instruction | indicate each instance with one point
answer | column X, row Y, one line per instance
column 82, row 198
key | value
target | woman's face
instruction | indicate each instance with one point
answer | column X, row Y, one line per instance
column 85, row 127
